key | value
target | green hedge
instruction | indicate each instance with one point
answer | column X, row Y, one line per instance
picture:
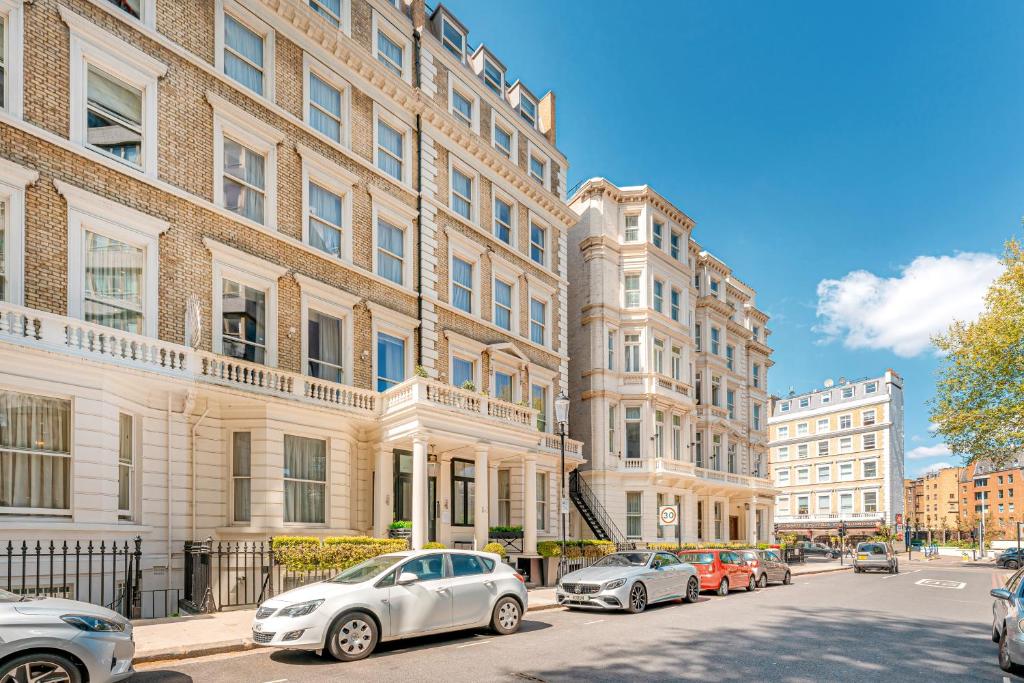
column 705, row 546
column 308, row 553
column 579, row 548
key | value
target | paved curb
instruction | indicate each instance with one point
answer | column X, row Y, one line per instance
column 825, row 570
column 223, row 646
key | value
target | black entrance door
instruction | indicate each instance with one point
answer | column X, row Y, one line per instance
column 432, row 508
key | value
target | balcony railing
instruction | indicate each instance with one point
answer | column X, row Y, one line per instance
column 830, row 516
column 61, row 334
column 652, row 382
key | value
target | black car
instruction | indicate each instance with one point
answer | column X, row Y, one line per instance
column 1010, row 558
column 819, row 549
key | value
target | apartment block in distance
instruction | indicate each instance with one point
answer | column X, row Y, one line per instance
column 836, row 455
column 668, row 374
column 274, row 267
column 932, row 504
column 991, row 493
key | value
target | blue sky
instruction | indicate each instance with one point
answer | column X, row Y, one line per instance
column 857, row 164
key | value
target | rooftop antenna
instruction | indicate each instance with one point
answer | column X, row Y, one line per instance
column 829, row 383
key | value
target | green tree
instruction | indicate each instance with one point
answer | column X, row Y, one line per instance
column 979, row 396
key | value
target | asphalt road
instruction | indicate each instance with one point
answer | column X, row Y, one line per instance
column 827, row 627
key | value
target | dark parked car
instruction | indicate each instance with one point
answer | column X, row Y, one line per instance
column 1010, row 558
column 817, row 549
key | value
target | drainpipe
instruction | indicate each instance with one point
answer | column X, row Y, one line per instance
column 192, row 460
column 416, row 35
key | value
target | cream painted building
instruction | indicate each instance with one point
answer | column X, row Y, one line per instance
column 836, row 455
column 668, row 375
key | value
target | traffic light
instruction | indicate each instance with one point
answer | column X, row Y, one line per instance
column 842, row 529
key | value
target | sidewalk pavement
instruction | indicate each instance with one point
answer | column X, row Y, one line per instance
column 229, row 631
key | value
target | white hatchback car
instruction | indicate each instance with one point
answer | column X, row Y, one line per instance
column 394, row 596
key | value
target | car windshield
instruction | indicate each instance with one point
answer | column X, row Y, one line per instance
column 624, row 560
column 697, row 558
column 367, row 569
column 873, row 548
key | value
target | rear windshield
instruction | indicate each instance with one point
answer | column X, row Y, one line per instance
column 873, row 548
column 697, row 558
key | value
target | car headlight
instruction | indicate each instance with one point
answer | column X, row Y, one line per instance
column 616, row 583
column 300, row 609
column 94, row 624
column 1020, row 625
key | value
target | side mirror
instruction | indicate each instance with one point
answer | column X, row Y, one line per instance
column 406, row 578
column 1000, row 593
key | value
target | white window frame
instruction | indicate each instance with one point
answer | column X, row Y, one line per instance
column 864, row 442
column 802, row 429
column 500, row 85
column 806, row 497
column 400, row 125
column 14, row 180
column 445, row 43
column 327, row 480
column 782, row 453
column 782, row 505
column 506, row 272
column 867, row 418
column 469, row 251
column 456, row 164
column 328, row 175
column 344, row 18
column 331, row 301
column 784, row 407
column 548, row 239
column 635, row 347
column 803, row 475
column 871, row 387
column 536, row 289
column 845, row 421
column 801, row 447
column 782, row 477
column 132, row 513
column 310, row 66
column 505, row 369
column 233, row 477
column 842, row 475
column 254, row 24
column 818, row 426
column 626, row 303
column 828, row 476
column 384, row 205
column 843, row 494
column 826, row 397
column 513, row 227
column 533, row 123
column 90, row 212
column 232, row 122
column 500, row 121
column 396, row 325
column 13, row 14
column 532, row 152
column 846, row 444
column 238, row 266
column 864, row 468
column 827, row 499
column 92, row 46
column 783, row 431
column 863, row 500
column 847, row 392
column 381, row 24
column 823, row 451
column 467, row 93
column 805, row 402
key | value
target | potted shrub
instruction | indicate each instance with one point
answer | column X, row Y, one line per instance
column 401, row 528
column 506, row 532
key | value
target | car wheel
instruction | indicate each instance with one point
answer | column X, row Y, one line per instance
column 692, row 590
column 723, row 588
column 637, row 599
column 897, row 567
column 507, row 616
column 1011, row 564
column 1005, row 663
column 763, row 583
column 787, row 579
column 995, row 633
column 352, row 637
column 40, row 667
column 752, row 584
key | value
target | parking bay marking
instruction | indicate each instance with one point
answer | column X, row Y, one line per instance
column 893, row 576
column 940, row 583
column 479, row 642
column 596, row 621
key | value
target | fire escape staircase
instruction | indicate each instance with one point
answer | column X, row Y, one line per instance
column 593, row 511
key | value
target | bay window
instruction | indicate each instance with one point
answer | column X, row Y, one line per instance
column 305, row 480
column 632, row 227
column 35, row 454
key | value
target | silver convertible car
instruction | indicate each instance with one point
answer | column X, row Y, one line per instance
column 629, row 581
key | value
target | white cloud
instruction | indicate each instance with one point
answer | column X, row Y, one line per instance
column 922, row 452
column 902, row 313
column 935, row 467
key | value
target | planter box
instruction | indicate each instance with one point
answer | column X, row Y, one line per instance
column 505, row 535
column 400, row 533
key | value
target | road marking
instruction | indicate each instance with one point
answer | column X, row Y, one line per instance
column 596, row 621
column 940, row 583
column 279, row 680
column 479, row 642
column 893, row 576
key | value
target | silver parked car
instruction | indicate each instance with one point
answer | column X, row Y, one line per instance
column 53, row 640
column 394, row 596
column 768, row 566
column 875, row 555
column 1007, row 613
column 630, row 581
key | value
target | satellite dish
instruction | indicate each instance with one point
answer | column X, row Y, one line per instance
column 829, row 383
column 193, row 322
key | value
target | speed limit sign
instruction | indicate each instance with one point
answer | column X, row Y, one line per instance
column 668, row 515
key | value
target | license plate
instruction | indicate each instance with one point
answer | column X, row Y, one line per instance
column 862, row 556
column 578, row 598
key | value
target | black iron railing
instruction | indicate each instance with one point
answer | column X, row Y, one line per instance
column 592, row 510
column 99, row 573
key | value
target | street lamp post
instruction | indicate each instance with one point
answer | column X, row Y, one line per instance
column 562, row 418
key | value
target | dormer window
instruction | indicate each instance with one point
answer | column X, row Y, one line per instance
column 494, row 78
column 528, row 110
column 453, row 39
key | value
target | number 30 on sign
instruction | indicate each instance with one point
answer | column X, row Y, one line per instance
column 668, row 515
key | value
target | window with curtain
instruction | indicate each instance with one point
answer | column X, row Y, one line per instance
column 463, row 492
column 503, row 141
column 390, row 361
column 244, row 312
column 125, row 466
column 539, row 399
column 632, row 228
column 634, row 514
column 130, row 7
column 113, row 116
column 462, row 371
column 677, row 438
column 633, row 432
column 503, row 386
column 631, row 283
column 328, row 9
column 113, row 290
column 538, row 321
column 698, row 449
column 503, row 220
column 631, row 347
column 542, row 501
column 325, row 208
column 612, row 445
column 243, row 54
column 244, row 180
column 502, row 304
column 325, row 346
column 659, row 433
column 3, row 217
column 389, row 53
column 390, row 251
column 504, row 497
column 3, row 61
column 462, row 107
column 658, row 360
column 675, row 304
column 462, row 194
column 241, row 476
column 845, row 503
column 537, row 168
column 462, row 284
column 305, row 480
column 390, row 153
column 324, row 107
column 538, row 243
column 35, row 452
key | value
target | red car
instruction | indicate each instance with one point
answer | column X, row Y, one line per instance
column 720, row 570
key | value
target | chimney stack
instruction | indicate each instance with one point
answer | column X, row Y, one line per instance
column 546, row 116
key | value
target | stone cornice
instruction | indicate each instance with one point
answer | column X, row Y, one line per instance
column 601, row 187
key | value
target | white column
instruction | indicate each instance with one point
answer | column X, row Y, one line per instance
column 752, row 521
column 530, row 505
column 481, row 497
column 383, row 486
column 419, row 491
column 492, row 490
